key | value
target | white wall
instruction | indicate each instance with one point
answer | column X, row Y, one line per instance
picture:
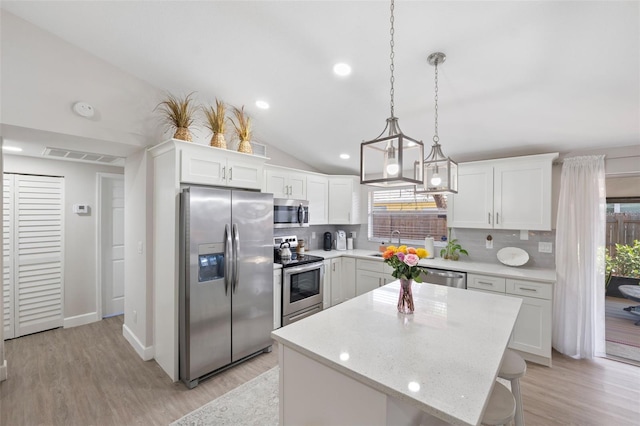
column 43, row 76
column 80, row 230
column 138, row 283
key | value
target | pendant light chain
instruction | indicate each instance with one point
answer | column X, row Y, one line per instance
column 435, row 136
column 391, row 56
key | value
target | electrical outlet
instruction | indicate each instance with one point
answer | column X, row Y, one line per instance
column 353, row 235
column 139, row 247
column 313, row 235
column 545, row 247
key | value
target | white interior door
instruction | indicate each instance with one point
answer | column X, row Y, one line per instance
column 112, row 244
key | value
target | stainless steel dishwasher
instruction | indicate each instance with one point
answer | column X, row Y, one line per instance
column 444, row 277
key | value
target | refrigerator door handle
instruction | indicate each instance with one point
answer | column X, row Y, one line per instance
column 227, row 259
column 236, row 247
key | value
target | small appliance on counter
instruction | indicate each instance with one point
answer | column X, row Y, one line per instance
column 341, row 240
column 428, row 245
column 327, row 242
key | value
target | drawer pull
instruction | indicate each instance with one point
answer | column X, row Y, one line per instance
column 528, row 289
column 485, row 283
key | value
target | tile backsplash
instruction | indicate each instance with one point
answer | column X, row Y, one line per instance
column 474, row 241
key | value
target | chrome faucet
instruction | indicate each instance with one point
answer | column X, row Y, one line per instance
column 391, row 236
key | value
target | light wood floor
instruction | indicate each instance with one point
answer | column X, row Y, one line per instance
column 89, row 375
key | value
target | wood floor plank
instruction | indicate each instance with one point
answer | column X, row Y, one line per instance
column 90, row 375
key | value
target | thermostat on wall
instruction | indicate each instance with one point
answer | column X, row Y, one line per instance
column 81, row 208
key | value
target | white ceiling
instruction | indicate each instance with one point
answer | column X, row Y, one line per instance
column 520, row 77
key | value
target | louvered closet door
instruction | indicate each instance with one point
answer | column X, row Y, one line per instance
column 37, row 273
column 7, row 254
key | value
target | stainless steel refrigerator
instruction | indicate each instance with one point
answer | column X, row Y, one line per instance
column 226, row 284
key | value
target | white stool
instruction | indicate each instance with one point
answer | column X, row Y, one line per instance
column 513, row 367
column 501, row 408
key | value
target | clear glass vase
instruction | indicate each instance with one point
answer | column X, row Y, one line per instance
column 405, row 299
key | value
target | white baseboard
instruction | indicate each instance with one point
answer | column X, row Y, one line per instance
column 145, row 352
column 80, row 320
column 3, row 371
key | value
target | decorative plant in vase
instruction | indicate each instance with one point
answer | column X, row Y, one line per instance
column 243, row 129
column 452, row 250
column 178, row 113
column 217, row 123
column 404, row 261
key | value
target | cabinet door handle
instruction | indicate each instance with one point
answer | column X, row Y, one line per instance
column 379, row 282
column 224, row 173
column 485, row 283
column 349, row 217
column 528, row 289
column 489, row 217
column 230, row 173
column 497, row 218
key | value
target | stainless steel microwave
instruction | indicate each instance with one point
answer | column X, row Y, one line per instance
column 290, row 213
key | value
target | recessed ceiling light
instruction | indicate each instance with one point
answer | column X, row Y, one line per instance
column 342, row 69
column 11, row 148
column 262, row 104
column 345, row 156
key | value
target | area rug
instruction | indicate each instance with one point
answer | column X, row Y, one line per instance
column 252, row 403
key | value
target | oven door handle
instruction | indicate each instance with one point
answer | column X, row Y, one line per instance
column 304, row 268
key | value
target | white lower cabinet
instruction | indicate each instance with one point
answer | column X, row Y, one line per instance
column 342, row 280
column 348, row 278
column 531, row 334
column 277, row 298
column 335, row 272
column 326, row 284
column 371, row 274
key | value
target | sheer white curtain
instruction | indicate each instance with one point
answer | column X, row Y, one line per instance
column 578, row 305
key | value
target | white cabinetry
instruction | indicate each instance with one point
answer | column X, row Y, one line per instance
column 532, row 332
column 510, row 193
column 318, row 197
column 205, row 165
column 344, row 200
column 371, row 274
column 326, row 284
column 277, row 298
column 343, row 279
column 336, row 281
column 348, row 278
column 285, row 183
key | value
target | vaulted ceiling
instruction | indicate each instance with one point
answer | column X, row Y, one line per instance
column 520, row 77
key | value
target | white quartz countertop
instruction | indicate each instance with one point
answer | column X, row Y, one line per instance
column 495, row 269
column 443, row 359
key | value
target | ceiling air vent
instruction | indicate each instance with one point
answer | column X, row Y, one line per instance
column 86, row 157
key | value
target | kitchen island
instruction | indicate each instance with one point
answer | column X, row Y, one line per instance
column 361, row 362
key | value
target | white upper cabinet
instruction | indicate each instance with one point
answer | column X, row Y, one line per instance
column 510, row 193
column 285, row 183
column 205, row 165
column 318, row 197
column 344, row 200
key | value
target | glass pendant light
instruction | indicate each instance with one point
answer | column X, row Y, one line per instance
column 394, row 159
column 440, row 172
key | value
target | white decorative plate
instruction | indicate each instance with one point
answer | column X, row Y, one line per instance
column 513, row 256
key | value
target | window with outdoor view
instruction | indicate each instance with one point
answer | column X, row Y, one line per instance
column 415, row 216
column 623, row 238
